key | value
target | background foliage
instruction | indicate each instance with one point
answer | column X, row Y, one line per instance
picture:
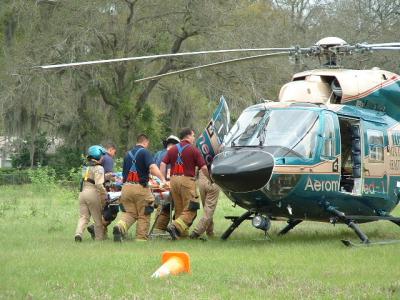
column 96, row 104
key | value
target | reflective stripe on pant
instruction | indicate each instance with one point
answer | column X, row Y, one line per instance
column 90, row 204
column 183, row 190
column 209, row 194
column 135, row 198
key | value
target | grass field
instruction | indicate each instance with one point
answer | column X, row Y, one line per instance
column 40, row 260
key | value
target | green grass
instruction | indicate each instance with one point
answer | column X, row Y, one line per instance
column 40, row 260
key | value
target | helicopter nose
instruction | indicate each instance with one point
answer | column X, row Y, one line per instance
column 242, row 170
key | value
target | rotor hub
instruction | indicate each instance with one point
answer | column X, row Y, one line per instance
column 329, row 42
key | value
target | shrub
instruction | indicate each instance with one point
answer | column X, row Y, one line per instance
column 43, row 177
column 64, row 160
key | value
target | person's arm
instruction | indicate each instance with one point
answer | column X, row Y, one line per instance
column 154, row 170
column 109, row 176
column 99, row 181
column 201, row 164
column 163, row 169
column 204, row 169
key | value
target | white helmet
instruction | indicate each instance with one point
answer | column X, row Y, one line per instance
column 172, row 139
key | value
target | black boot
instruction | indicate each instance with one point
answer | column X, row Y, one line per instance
column 78, row 238
column 194, row 235
column 117, row 234
column 173, row 232
column 90, row 229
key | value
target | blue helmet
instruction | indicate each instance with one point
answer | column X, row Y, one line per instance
column 96, row 152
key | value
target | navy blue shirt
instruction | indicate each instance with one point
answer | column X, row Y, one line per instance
column 143, row 161
column 108, row 163
column 159, row 156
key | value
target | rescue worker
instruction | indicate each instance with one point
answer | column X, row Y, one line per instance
column 109, row 212
column 136, row 197
column 93, row 194
column 184, row 158
column 209, row 193
column 108, row 161
column 168, row 143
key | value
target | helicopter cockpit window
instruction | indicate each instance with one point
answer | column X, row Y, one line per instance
column 375, row 142
column 281, row 132
column 241, row 125
column 252, row 127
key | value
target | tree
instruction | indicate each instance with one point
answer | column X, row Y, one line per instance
column 30, row 104
column 94, row 104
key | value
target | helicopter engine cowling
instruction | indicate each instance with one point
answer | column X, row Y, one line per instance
column 242, row 170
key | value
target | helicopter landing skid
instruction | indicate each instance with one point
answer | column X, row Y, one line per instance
column 349, row 243
column 395, row 220
column 236, row 221
column 350, row 221
column 291, row 223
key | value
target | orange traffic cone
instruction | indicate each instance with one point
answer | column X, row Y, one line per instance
column 173, row 263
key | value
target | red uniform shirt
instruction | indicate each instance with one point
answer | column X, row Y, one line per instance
column 191, row 157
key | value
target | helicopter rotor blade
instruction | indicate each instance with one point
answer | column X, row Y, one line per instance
column 213, row 64
column 383, row 45
column 364, row 47
column 159, row 56
column 385, row 48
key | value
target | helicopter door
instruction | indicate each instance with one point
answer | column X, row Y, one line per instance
column 330, row 151
column 351, row 156
column 213, row 135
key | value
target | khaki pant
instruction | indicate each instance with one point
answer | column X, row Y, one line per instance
column 163, row 219
column 90, row 204
column 134, row 198
column 209, row 194
column 183, row 190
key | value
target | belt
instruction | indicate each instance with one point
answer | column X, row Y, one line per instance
column 183, row 176
column 142, row 184
column 90, row 180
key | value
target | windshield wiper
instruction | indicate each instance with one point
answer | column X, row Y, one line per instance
column 262, row 131
column 233, row 141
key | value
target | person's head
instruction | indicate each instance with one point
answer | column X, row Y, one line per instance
column 143, row 140
column 187, row 134
column 95, row 152
column 170, row 141
column 111, row 149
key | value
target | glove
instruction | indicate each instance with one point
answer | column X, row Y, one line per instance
column 148, row 210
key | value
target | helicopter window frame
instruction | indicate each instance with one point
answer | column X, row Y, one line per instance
column 329, row 137
column 376, row 145
column 254, row 125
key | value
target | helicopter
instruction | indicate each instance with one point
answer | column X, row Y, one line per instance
column 328, row 150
